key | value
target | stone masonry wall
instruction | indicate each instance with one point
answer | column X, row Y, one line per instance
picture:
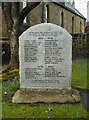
column 55, row 10
column 80, row 46
column 54, row 17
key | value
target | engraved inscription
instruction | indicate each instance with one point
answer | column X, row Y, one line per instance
column 30, row 51
column 50, row 71
column 45, row 55
column 52, row 51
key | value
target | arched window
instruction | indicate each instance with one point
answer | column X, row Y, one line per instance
column 62, row 19
column 24, row 5
column 72, row 25
column 80, row 26
column 71, row 1
column 46, row 14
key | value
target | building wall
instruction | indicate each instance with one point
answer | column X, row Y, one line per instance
column 35, row 16
column 55, row 16
column 80, row 45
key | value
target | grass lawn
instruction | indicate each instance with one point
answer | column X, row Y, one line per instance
column 11, row 110
column 80, row 71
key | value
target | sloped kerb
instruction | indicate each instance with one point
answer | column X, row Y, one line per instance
column 46, row 96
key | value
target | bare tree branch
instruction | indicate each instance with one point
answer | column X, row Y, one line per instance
column 27, row 9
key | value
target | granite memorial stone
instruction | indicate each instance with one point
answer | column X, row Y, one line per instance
column 45, row 54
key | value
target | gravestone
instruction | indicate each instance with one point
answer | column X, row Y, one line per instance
column 45, row 56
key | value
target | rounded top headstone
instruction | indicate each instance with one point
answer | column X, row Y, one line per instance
column 45, row 55
column 46, row 27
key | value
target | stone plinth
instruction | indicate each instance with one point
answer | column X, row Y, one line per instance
column 46, row 96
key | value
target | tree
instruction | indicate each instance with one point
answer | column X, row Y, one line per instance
column 14, row 20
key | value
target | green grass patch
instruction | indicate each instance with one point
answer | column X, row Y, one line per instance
column 80, row 74
column 9, row 88
column 11, row 110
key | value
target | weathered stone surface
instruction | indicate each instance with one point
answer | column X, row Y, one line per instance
column 45, row 53
column 46, row 96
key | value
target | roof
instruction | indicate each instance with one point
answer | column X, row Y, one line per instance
column 77, row 12
column 74, row 10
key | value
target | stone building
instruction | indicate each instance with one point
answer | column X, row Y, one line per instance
column 61, row 13
column 65, row 15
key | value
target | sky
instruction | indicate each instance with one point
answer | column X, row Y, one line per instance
column 81, row 6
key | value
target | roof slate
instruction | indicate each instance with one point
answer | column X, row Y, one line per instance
column 74, row 10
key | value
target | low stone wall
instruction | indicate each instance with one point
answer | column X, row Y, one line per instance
column 80, row 45
column 28, row 95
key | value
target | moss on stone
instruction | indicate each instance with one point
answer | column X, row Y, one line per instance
column 10, row 74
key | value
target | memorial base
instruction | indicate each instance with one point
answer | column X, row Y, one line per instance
column 46, row 96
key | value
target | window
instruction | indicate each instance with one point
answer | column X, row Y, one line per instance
column 62, row 19
column 67, row 0
column 71, row 1
column 46, row 14
column 72, row 25
column 24, row 5
column 80, row 26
